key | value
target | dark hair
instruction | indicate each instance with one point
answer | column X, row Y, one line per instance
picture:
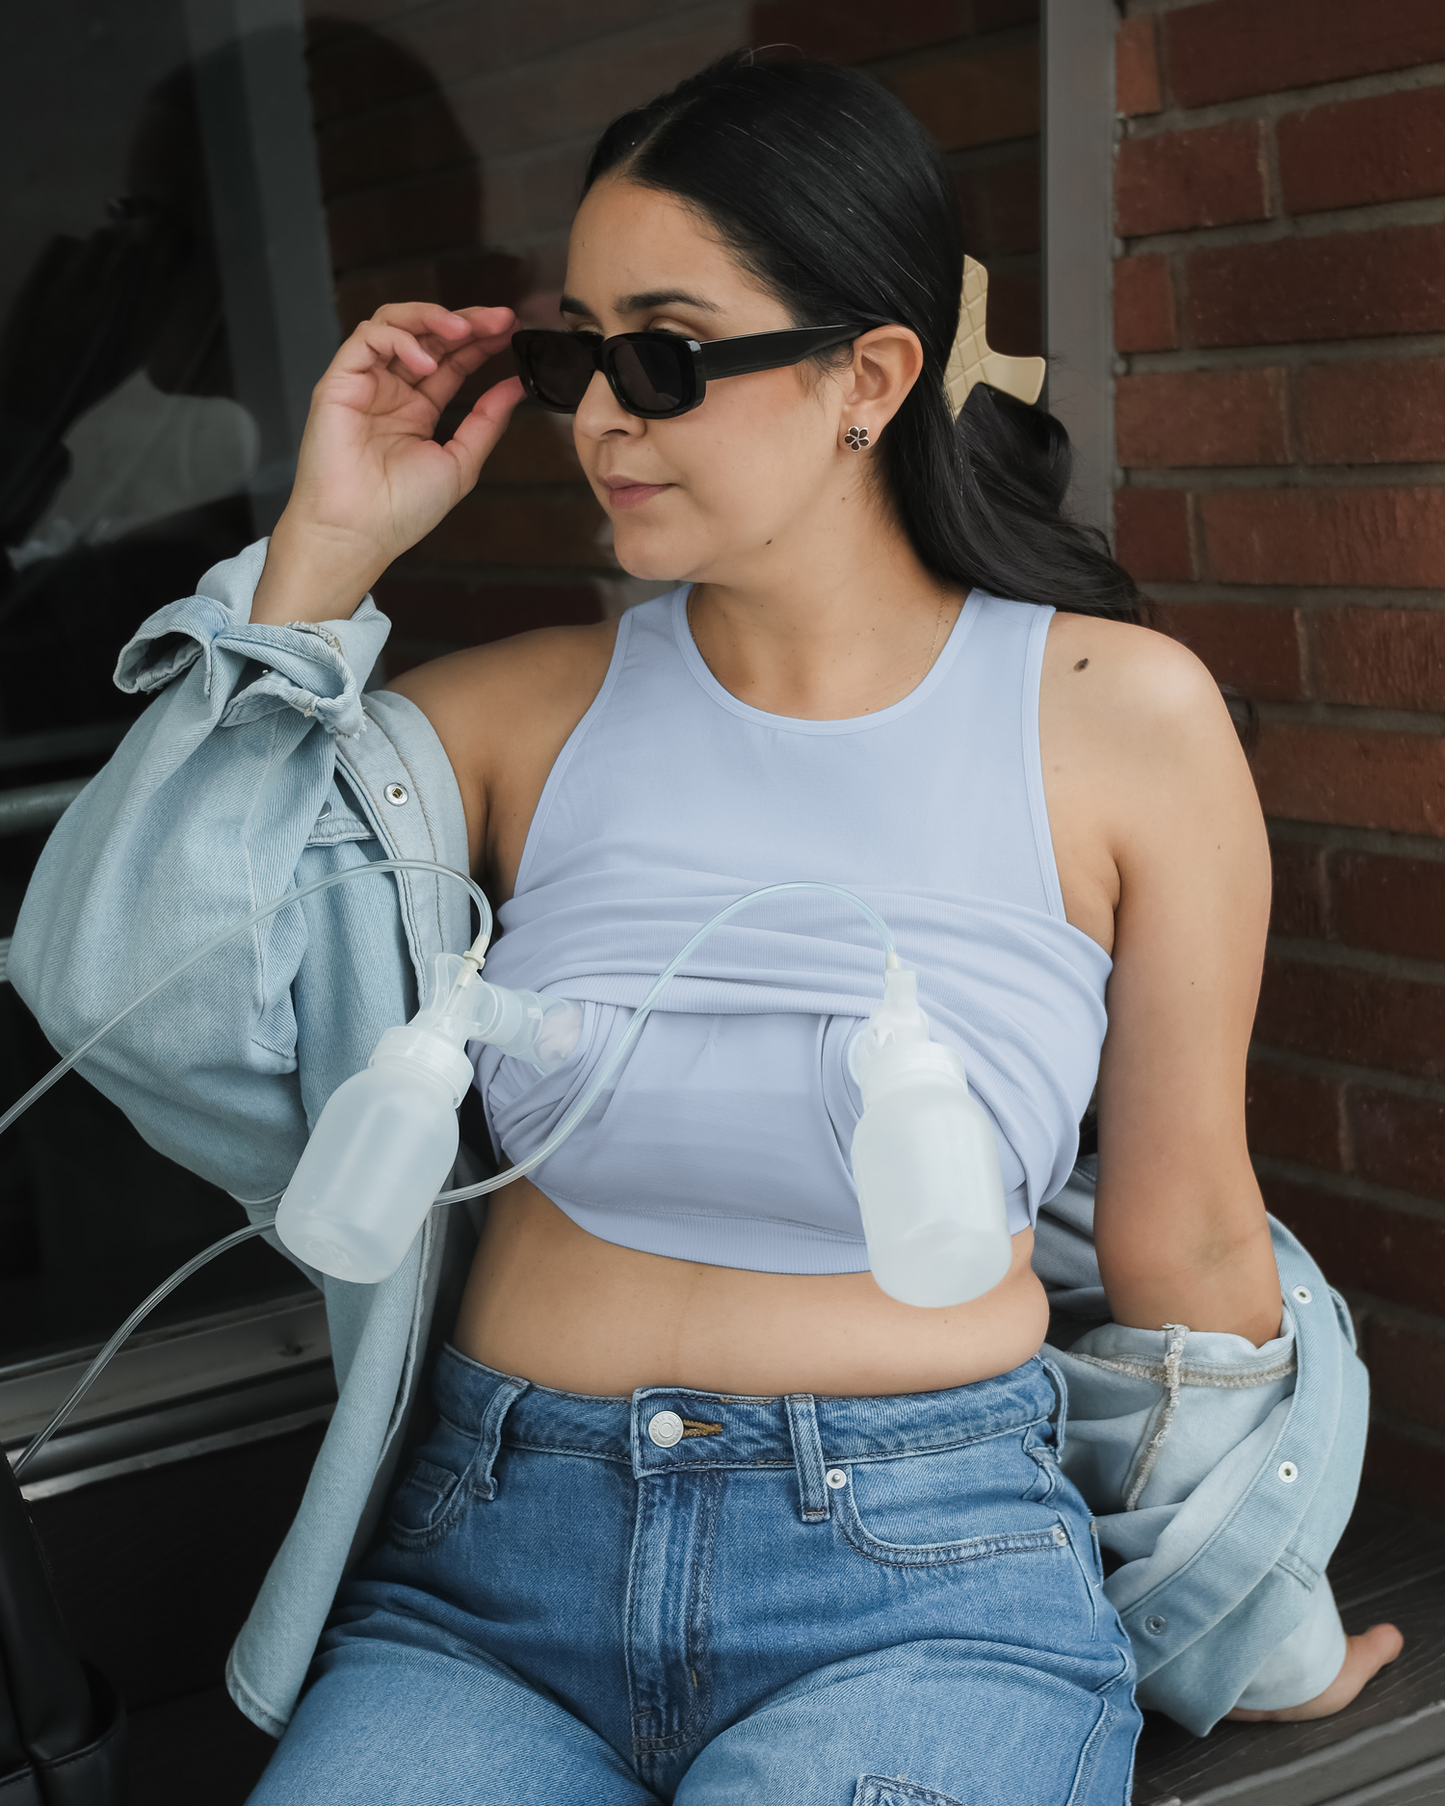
column 830, row 192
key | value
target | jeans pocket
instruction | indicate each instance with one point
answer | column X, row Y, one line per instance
column 927, row 1510
column 433, row 1492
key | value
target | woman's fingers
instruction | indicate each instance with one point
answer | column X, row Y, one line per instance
column 448, row 323
column 414, row 339
column 1365, row 1656
column 455, row 365
column 375, row 344
column 473, row 440
column 424, row 345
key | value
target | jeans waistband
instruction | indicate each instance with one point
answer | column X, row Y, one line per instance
column 718, row 1429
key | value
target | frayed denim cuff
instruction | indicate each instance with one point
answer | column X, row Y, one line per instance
column 317, row 668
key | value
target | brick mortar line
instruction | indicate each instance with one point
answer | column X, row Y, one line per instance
column 1340, row 1072
column 1348, row 1189
column 1207, row 478
column 1307, row 597
column 1292, row 355
column 1407, row 1429
column 1276, row 105
column 1372, row 1307
column 1357, row 840
column 1302, row 952
column 1339, row 222
column 1350, row 719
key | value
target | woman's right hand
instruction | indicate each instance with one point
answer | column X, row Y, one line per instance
column 370, row 479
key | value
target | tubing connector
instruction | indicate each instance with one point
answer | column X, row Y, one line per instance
column 526, row 1025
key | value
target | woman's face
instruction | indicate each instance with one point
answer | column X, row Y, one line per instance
column 725, row 492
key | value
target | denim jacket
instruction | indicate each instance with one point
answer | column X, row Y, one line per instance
column 1221, row 1475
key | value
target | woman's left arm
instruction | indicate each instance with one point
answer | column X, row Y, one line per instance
column 1163, row 859
column 1165, row 854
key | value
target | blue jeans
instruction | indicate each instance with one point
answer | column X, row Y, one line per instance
column 687, row 1596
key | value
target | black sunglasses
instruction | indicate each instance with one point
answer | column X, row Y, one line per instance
column 656, row 375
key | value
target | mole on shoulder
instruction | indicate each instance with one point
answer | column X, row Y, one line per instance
column 1081, row 664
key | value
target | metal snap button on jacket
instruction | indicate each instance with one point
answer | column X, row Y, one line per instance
column 665, row 1429
column 394, row 793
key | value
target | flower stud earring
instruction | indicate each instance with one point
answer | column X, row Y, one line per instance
column 857, row 437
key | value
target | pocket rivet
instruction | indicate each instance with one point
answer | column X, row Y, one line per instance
column 1303, row 1294
column 1288, row 1472
column 1155, row 1625
column 835, row 1477
column 394, row 793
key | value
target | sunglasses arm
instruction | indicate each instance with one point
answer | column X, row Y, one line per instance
column 770, row 350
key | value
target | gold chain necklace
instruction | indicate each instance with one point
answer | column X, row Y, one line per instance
column 937, row 629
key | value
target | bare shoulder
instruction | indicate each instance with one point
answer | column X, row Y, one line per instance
column 1132, row 693
column 524, row 689
column 1135, row 710
column 1144, row 777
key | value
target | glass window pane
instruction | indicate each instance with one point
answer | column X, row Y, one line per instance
column 147, row 420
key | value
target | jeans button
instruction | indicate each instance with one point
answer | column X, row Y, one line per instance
column 665, row 1429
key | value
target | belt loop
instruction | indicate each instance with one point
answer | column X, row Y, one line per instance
column 1061, row 1395
column 808, row 1457
column 489, row 1437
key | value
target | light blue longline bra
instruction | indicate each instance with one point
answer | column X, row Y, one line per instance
column 725, row 1137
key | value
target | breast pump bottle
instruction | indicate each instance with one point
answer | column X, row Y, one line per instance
column 925, row 1160
column 387, row 1139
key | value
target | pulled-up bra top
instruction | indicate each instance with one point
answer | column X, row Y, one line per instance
column 724, row 1136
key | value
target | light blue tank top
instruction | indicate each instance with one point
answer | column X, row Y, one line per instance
column 725, row 1136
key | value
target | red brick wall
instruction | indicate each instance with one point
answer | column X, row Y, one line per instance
column 453, row 135
column 1280, row 419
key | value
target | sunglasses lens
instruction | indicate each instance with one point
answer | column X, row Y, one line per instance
column 559, row 365
column 653, row 375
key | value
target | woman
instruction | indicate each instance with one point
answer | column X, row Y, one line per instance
column 707, row 1516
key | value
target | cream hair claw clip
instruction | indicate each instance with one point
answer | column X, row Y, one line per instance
column 971, row 361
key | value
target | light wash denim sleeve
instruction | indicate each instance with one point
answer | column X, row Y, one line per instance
column 1221, row 1476
column 209, row 807
column 257, row 766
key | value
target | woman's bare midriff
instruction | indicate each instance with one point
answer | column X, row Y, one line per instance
column 552, row 1304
